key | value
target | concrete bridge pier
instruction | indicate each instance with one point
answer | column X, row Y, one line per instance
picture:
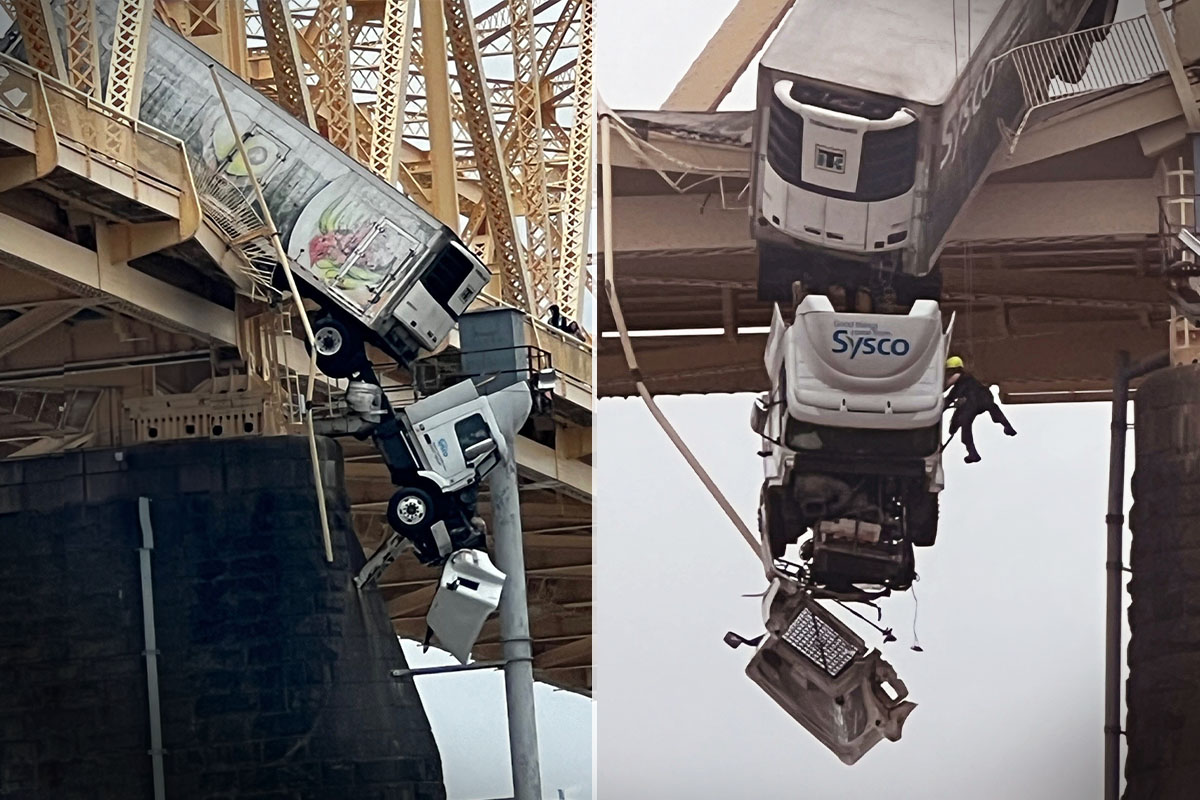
column 274, row 673
column 1163, row 689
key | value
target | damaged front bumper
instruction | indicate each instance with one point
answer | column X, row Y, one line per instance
column 821, row 673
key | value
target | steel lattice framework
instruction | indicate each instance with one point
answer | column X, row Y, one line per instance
column 487, row 124
column 129, row 49
column 514, row 89
column 83, row 64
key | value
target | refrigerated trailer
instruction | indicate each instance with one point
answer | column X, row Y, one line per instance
column 382, row 269
column 876, row 121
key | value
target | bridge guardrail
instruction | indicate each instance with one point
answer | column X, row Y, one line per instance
column 1074, row 64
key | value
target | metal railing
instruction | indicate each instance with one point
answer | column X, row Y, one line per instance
column 128, row 145
column 1079, row 63
column 435, row 373
column 1174, row 211
column 230, row 209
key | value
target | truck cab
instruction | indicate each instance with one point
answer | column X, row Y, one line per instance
column 851, row 432
column 438, row 451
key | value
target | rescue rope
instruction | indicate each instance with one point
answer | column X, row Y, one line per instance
column 281, row 256
column 610, row 291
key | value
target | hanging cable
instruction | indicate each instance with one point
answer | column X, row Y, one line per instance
column 887, row 634
column 954, row 15
column 610, row 290
column 286, row 266
column 916, row 645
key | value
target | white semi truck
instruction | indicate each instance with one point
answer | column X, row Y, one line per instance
column 851, row 432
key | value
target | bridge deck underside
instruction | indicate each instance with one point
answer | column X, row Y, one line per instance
column 1038, row 321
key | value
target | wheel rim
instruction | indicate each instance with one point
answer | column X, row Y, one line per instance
column 328, row 340
column 411, row 510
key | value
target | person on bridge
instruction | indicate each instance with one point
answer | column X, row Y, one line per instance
column 564, row 323
column 969, row 398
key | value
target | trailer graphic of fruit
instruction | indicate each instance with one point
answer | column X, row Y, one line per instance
column 347, row 244
column 263, row 150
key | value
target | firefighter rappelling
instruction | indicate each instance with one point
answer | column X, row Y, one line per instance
column 969, row 398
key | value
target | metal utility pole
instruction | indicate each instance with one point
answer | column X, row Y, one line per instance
column 514, row 629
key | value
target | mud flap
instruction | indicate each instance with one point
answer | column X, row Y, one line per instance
column 821, row 673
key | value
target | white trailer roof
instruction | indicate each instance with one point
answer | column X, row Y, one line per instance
column 903, row 49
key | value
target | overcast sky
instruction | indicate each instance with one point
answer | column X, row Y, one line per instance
column 1010, row 683
column 470, row 724
column 1010, row 686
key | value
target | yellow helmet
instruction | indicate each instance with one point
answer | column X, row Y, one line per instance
column 954, row 362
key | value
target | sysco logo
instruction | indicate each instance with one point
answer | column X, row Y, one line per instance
column 843, row 341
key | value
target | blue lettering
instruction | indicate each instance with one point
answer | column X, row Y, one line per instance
column 869, row 345
column 840, row 341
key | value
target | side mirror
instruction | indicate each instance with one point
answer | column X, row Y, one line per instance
column 479, row 450
column 758, row 415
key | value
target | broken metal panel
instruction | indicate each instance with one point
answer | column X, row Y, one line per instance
column 820, row 672
column 468, row 592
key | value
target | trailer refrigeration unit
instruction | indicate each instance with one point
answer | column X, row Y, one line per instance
column 876, row 122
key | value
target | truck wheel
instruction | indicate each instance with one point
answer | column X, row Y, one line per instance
column 922, row 519
column 410, row 512
column 339, row 350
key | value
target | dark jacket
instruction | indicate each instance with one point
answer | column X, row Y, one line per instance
column 967, row 391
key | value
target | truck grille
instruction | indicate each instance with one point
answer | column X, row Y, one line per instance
column 820, row 643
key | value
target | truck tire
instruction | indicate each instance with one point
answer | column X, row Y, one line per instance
column 340, row 350
column 411, row 513
column 922, row 519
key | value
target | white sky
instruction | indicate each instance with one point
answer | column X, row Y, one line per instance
column 470, row 724
column 1010, row 686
